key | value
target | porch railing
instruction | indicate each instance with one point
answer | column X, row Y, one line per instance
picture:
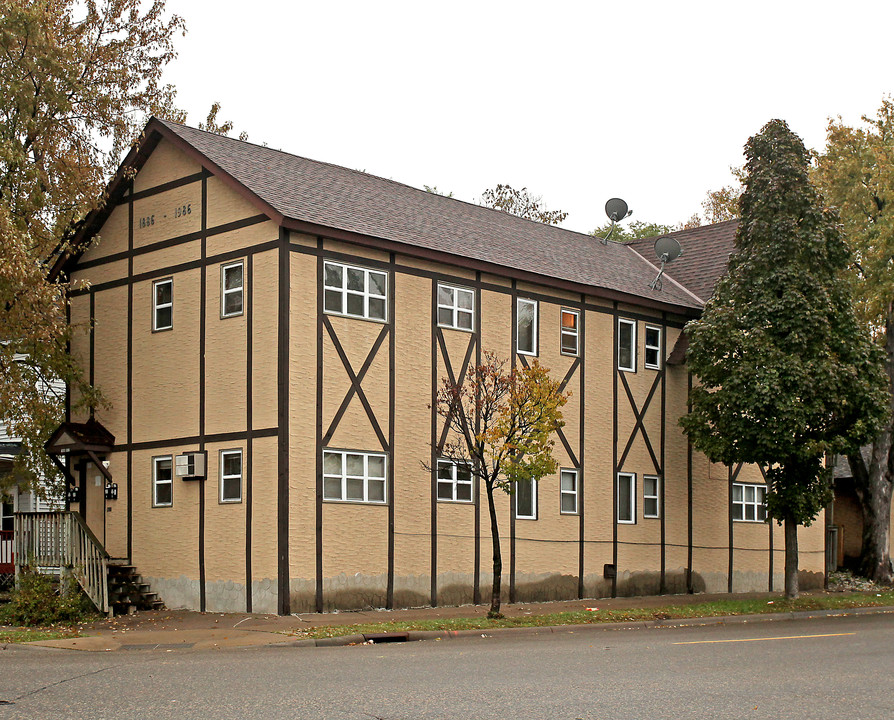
column 60, row 542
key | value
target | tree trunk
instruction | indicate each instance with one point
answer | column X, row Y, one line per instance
column 494, row 611
column 874, row 484
column 791, row 557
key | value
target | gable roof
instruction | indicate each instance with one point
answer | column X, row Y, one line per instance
column 705, row 257
column 316, row 197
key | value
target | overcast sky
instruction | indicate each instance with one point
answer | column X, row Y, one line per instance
column 579, row 101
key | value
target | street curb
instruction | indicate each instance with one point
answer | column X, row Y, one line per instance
column 419, row 635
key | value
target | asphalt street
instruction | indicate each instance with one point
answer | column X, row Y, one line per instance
column 831, row 668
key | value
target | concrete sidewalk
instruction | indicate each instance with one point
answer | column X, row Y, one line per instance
column 183, row 629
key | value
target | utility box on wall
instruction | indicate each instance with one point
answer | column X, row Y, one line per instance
column 191, row 465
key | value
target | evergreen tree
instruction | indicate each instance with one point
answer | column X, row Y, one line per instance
column 786, row 372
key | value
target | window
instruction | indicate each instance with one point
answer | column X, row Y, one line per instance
column 653, row 348
column 456, row 307
column 231, row 290
column 749, row 502
column 162, row 482
column 626, row 498
column 163, row 304
column 650, row 496
column 526, row 342
column 626, row 345
column 230, row 476
column 569, row 342
column 454, row 481
column 526, row 499
column 568, row 492
column 353, row 476
column 355, row 292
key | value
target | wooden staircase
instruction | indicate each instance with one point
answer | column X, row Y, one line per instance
column 60, row 543
column 127, row 591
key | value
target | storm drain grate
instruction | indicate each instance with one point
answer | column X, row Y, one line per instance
column 377, row 638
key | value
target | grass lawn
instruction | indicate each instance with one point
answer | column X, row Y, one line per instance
column 9, row 636
column 586, row 617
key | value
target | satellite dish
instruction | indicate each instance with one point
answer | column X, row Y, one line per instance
column 667, row 249
column 616, row 209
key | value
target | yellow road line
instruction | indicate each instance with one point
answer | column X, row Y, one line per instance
column 786, row 637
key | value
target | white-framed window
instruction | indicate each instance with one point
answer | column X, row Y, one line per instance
column 163, row 304
column 231, row 284
column 626, row 497
column 454, row 481
column 652, row 360
column 749, row 502
column 456, row 307
column 651, row 503
column 354, row 476
column 162, row 481
column 230, row 476
column 569, row 343
column 526, row 499
column 626, row 345
column 526, row 326
column 355, row 292
column 569, row 492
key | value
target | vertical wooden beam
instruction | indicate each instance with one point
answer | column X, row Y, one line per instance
column 247, row 469
column 662, row 475
column 392, row 379
column 476, row 579
column 433, row 480
column 615, row 372
column 130, row 218
column 512, row 497
column 203, row 292
column 318, row 518
column 582, row 340
column 690, row 588
column 282, row 437
column 729, row 510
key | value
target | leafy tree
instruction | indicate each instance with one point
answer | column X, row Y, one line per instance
column 502, row 424
column 212, row 125
column 633, row 230
column 856, row 174
column 77, row 80
column 521, row 203
column 786, row 372
column 434, row 190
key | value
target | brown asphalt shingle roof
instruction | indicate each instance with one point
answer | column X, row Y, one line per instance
column 356, row 202
column 706, row 252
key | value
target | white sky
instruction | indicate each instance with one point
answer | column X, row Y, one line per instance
column 579, row 101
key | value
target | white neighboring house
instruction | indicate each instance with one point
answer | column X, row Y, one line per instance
column 19, row 501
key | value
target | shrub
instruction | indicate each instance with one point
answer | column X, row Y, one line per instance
column 37, row 601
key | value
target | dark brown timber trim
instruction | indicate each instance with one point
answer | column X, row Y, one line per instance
column 615, row 373
column 476, row 580
column 662, row 589
column 129, row 282
column 282, row 441
column 203, row 292
column 164, row 187
column 318, row 513
column 729, row 510
column 248, row 468
column 582, row 344
column 173, row 242
column 433, row 500
column 513, row 353
column 92, row 343
column 690, row 586
column 392, row 376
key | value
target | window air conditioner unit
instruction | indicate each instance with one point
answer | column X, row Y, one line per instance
column 191, row 465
